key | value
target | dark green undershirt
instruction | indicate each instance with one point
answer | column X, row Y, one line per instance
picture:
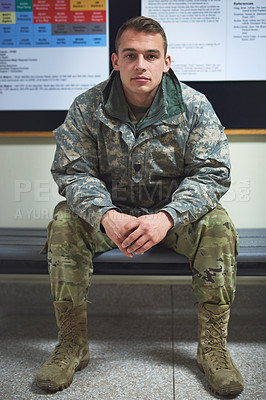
column 137, row 114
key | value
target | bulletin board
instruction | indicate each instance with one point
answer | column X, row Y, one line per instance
column 58, row 49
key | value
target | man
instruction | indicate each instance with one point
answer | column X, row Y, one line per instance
column 141, row 159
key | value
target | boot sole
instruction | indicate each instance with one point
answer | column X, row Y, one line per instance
column 232, row 390
column 52, row 387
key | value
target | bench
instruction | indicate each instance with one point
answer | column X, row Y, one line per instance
column 20, row 254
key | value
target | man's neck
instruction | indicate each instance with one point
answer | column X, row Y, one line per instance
column 140, row 100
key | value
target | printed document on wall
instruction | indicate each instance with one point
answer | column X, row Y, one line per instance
column 213, row 40
column 51, row 51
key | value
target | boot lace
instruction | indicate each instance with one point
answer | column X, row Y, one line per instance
column 68, row 344
column 215, row 342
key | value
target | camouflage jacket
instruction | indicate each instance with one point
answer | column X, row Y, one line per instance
column 176, row 160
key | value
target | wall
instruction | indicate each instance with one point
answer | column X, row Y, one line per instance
column 28, row 193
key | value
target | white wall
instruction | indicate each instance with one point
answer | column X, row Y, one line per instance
column 246, row 199
column 28, row 193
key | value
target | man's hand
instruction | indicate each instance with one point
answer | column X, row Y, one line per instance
column 146, row 231
column 115, row 225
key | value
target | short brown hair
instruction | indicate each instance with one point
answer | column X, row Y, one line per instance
column 141, row 24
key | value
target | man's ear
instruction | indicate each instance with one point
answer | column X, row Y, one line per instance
column 167, row 63
column 115, row 63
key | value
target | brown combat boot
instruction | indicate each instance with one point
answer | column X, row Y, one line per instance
column 72, row 351
column 213, row 357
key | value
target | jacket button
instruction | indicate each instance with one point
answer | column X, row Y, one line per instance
column 137, row 167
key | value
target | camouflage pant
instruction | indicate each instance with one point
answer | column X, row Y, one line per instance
column 211, row 245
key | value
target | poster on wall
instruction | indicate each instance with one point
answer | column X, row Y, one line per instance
column 213, row 40
column 51, row 51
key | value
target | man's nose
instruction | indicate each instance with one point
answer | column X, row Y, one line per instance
column 140, row 63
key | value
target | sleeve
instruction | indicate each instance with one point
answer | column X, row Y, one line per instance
column 75, row 168
column 206, row 170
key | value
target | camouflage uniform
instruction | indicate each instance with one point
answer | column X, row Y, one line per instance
column 176, row 159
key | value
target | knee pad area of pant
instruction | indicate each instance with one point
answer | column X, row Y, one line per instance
column 217, row 221
column 62, row 213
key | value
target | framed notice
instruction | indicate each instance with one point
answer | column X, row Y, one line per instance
column 213, row 40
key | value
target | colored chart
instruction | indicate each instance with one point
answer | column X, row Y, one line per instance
column 57, row 23
column 51, row 51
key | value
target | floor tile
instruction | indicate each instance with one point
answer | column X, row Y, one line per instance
column 143, row 342
column 246, row 342
column 131, row 358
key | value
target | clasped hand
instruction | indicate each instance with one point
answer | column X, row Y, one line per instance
column 136, row 235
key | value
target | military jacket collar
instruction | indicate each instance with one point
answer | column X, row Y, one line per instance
column 166, row 106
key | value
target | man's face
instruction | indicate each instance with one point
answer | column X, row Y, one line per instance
column 141, row 63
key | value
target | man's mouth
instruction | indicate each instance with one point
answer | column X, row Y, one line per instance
column 140, row 78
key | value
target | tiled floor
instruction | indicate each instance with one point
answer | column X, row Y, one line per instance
column 143, row 341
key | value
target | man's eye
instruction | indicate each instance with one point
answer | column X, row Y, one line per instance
column 129, row 55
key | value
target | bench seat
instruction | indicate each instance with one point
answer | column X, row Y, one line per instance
column 20, row 254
